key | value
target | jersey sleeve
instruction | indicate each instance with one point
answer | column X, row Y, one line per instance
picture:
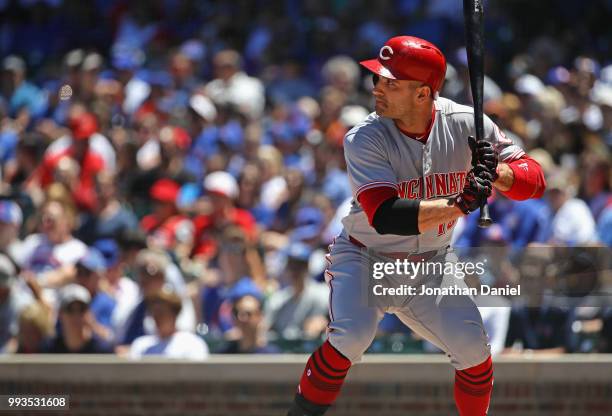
column 505, row 148
column 367, row 164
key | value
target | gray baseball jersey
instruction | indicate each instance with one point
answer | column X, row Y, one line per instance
column 378, row 154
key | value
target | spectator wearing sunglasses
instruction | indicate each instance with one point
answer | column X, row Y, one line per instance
column 249, row 334
column 76, row 334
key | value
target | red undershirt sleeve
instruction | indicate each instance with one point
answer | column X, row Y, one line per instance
column 529, row 179
column 371, row 198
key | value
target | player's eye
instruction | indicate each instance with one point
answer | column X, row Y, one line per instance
column 375, row 79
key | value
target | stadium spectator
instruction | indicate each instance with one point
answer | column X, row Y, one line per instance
column 537, row 323
column 300, row 309
column 53, row 252
column 151, row 268
column 25, row 99
column 233, row 87
column 222, row 191
column 35, row 329
column 110, row 218
column 11, row 218
column 249, row 336
column 80, row 159
column 122, row 289
column 238, row 263
column 76, row 334
column 164, row 306
column 90, row 272
column 167, row 227
column 572, row 222
column 12, row 301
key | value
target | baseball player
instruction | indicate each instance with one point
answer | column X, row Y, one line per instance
column 414, row 170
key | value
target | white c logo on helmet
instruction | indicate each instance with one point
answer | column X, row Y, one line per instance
column 385, row 48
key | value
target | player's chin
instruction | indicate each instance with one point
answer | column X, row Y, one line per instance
column 380, row 109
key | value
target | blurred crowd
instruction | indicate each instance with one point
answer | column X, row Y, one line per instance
column 171, row 171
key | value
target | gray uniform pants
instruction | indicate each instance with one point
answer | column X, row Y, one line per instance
column 452, row 323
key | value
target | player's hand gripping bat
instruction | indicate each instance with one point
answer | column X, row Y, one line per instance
column 473, row 14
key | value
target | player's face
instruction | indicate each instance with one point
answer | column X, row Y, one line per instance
column 396, row 99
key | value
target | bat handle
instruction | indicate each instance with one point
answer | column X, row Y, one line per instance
column 484, row 221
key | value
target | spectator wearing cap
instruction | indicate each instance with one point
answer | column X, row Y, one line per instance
column 232, row 86
column 52, row 253
column 222, row 191
column 91, row 273
column 122, row 289
column 76, row 335
column 239, row 269
column 25, row 99
column 89, row 163
column 249, row 334
column 151, row 271
column 299, row 310
column 99, row 144
column 309, row 224
column 13, row 300
column 164, row 305
column 167, row 227
column 11, row 218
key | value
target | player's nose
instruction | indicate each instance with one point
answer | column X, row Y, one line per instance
column 376, row 91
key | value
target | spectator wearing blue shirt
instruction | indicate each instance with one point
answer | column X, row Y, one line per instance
column 90, row 270
column 234, row 277
column 111, row 217
column 23, row 94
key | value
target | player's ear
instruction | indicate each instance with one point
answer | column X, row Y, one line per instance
column 423, row 93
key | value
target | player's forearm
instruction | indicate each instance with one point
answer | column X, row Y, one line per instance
column 505, row 178
column 439, row 211
column 521, row 179
column 412, row 217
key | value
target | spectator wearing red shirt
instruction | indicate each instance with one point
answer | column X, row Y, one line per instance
column 168, row 228
column 222, row 190
column 90, row 164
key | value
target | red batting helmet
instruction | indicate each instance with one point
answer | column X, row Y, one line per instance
column 407, row 57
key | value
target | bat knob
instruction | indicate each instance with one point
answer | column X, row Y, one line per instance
column 484, row 221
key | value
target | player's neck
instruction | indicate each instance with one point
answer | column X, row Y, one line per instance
column 417, row 122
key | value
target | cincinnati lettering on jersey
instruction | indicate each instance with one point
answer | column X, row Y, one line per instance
column 437, row 185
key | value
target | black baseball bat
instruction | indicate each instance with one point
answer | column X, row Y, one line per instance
column 473, row 14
